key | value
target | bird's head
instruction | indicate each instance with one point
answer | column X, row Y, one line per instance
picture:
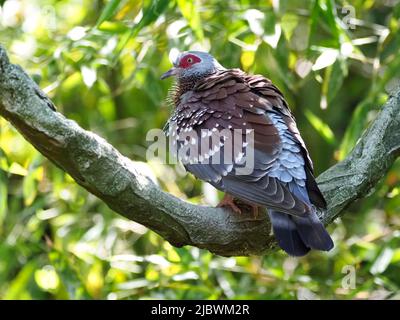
column 193, row 65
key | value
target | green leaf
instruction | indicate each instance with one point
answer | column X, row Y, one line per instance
column 114, row 27
column 330, row 18
column 16, row 168
column 338, row 71
column 359, row 118
column 29, row 188
column 3, row 197
column 315, row 11
column 19, row 285
column 108, row 12
column 333, row 80
column 190, row 12
column 323, row 16
column 150, row 14
column 3, row 159
column 321, row 127
column 382, row 261
column 289, row 22
column 355, row 127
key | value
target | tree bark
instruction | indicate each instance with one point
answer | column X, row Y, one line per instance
column 103, row 171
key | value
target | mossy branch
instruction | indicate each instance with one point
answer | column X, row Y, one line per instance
column 103, row 171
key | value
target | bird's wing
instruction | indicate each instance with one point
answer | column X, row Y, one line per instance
column 265, row 88
column 232, row 100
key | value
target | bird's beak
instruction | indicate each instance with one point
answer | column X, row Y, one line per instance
column 171, row 72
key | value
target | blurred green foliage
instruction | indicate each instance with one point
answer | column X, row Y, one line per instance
column 100, row 62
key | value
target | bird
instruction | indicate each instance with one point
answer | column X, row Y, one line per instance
column 208, row 99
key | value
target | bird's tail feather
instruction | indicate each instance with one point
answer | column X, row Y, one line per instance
column 313, row 232
column 286, row 234
column 298, row 235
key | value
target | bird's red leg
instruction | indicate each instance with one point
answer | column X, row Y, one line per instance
column 227, row 201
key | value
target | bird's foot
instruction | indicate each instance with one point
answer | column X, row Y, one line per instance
column 251, row 207
column 228, row 201
column 239, row 206
column 254, row 208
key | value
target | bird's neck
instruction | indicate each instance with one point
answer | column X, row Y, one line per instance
column 187, row 84
column 184, row 85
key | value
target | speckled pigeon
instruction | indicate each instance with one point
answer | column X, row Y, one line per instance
column 209, row 99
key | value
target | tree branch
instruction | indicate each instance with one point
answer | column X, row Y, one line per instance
column 104, row 172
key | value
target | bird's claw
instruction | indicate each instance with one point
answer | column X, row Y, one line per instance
column 228, row 202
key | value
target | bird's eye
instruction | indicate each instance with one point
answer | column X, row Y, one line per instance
column 189, row 60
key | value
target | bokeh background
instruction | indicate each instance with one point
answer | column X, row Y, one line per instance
column 100, row 61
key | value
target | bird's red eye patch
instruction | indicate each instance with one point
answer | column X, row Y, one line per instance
column 188, row 60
